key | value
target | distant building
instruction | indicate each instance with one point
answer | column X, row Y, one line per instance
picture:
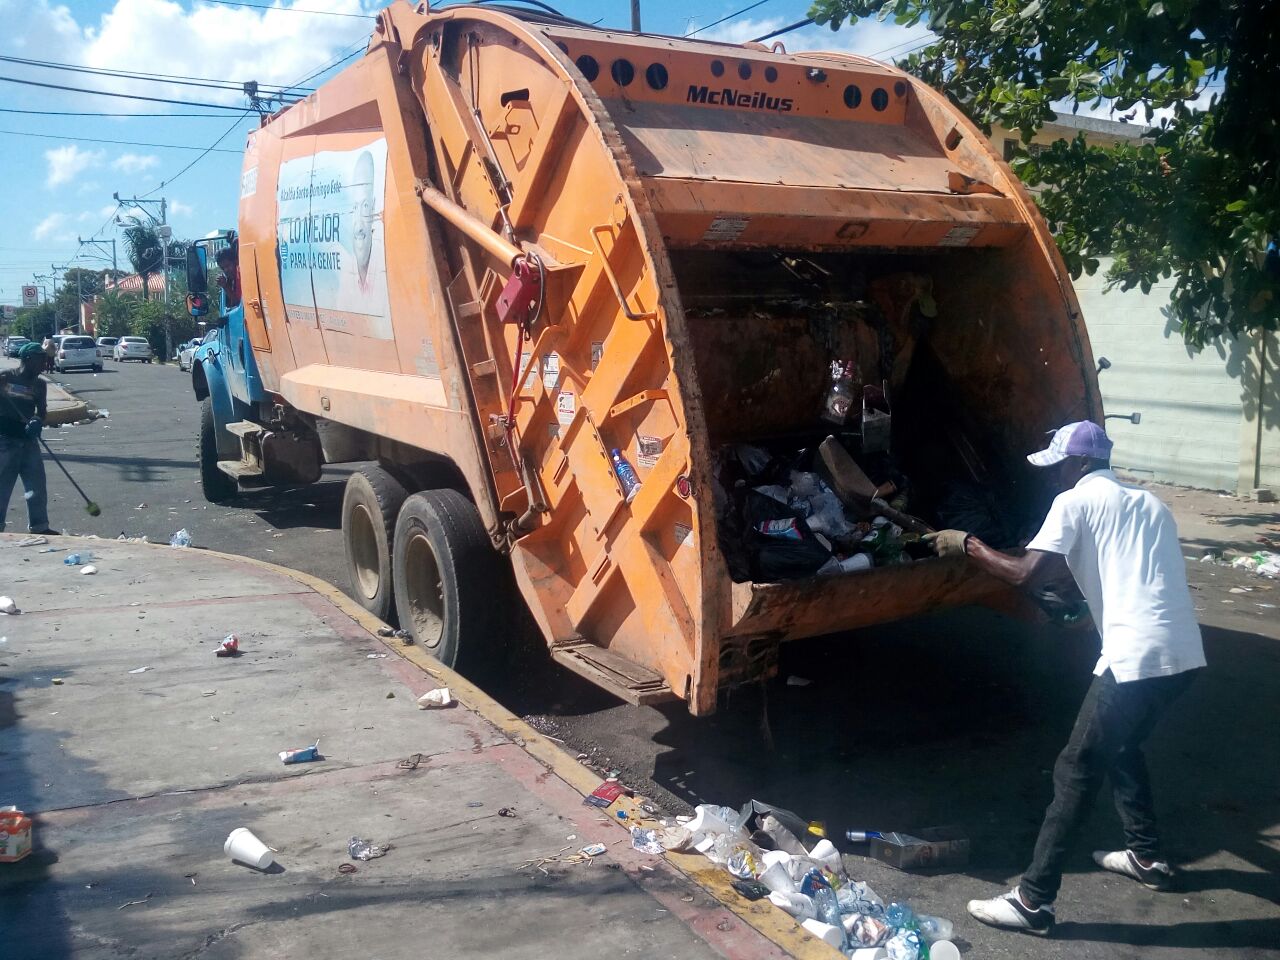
column 132, row 283
column 1210, row 419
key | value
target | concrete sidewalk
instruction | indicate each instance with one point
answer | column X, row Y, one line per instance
column 64, row 406
column 151, row 750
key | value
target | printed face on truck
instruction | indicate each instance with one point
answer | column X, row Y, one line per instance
column 362, row 187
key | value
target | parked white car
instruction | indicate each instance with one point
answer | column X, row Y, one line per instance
column 187, row 352
column 133, row 348
column 76, row 352
column 107, row 347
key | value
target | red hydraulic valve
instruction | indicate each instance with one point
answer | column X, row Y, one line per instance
column 522, row 290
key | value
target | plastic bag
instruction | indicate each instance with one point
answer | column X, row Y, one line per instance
column 773, row 558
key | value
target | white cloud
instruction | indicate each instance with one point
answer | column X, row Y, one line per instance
column 49, row 226
column 270, row 46
column 869, row 38
column 135, row 162
column 274, row 46
column 68, row 162
column 179, row 209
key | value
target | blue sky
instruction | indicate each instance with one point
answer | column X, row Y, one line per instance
column 57, row 175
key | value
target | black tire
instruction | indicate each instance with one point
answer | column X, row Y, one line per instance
column 217, row 486
column 370, row 506
column 451, row 586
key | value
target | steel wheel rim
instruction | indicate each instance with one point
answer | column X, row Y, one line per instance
column 424, row 590
column 365, row 559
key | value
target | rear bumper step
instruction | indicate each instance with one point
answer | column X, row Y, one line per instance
column 622, row 677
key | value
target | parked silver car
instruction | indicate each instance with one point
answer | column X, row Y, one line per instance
column 107, row 346
column 133, row 348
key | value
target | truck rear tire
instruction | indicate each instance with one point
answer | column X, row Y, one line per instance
column 217, row 486
column 370, row 506
column 449, row 583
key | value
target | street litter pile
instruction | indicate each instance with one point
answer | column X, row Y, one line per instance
column 772, row 853
column 1265, row 563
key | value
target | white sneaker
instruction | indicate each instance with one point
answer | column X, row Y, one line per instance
column 1008, row 912
column 1158, row 876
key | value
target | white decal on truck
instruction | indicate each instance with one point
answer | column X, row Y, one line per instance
column 333, row 266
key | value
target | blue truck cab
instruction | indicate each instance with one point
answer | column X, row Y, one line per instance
column 224, row 374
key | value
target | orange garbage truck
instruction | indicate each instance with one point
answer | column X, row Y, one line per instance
column 607, row 319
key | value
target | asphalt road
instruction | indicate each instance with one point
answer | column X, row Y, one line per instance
column 945, row 720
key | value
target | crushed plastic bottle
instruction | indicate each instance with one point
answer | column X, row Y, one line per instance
column 899, row 915
column 72, row 560
column 839, row 399
column 180, row 539
column 933, row 929
column 626, row 475
column 365, row 850
column 824, row 901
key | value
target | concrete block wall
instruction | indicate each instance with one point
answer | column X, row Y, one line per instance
column 1192, row 404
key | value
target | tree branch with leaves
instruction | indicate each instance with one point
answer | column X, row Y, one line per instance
column 1197, row 200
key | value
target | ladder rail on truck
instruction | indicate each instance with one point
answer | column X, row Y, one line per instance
column 502, row 244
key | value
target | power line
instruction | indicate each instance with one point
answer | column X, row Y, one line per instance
column 121, row 143
column 86, row 113
column 207, row 150
column 125, row 96
column 928, row 38
column 319, row 13
column 176, row 79
column 715, row 23
column 362, row 42
column 781, row 30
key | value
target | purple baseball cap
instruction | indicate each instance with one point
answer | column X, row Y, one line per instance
column 1083, row 439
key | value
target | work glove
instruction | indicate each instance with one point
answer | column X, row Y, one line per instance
column 947, row 543
column 33, row 429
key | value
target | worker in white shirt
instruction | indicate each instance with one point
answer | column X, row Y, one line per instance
column 1120, row 544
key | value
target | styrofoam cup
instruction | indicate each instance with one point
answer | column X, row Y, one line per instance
column 825, row 852
column 796, row 904
column 832, row 936
column 876, row 953
column 776, row 878
column 242, row 845
column 944, row 950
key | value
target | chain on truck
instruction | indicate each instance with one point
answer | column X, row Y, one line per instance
column 580, row 303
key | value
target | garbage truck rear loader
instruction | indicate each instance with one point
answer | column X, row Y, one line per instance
column 556, row 284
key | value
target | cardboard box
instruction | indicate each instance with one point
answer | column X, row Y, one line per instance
column 927, row 850
column 15, row 835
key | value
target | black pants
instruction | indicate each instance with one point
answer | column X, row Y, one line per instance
column 1114, row 720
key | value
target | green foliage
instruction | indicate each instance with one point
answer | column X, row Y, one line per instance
column 35, row 323
column 113, row 314
column 1199, row 201
column 144, row 249
column 77, row 286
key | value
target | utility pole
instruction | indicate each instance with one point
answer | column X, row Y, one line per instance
column 101, row 246
column 635, row 16
column 63, row 270
column 165, row 232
